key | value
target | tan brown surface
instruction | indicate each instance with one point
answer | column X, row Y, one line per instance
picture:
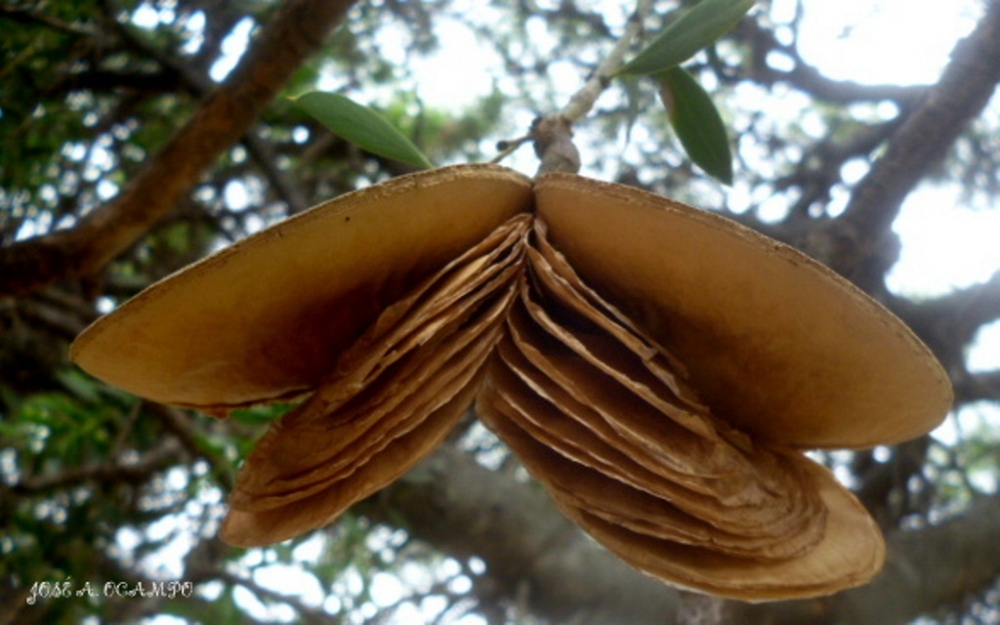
column 654, row 366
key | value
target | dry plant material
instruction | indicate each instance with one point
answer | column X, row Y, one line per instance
column 659, row 369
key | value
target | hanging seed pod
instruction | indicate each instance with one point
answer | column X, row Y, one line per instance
column 657, row 368
column 392, row 398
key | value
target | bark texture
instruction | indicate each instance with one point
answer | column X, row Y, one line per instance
column 533, row 552
column 861, row 244
column 297, row 30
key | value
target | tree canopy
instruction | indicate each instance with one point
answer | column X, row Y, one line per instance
column 138, row 137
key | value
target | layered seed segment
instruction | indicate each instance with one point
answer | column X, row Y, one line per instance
column 604, row 418
column 851, row 553
column 268, row 317
column 392, row 398
column 778, row 345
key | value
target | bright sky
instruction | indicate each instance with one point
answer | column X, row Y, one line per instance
column 889, row 41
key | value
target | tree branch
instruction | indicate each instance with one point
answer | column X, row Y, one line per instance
column 113, row 471
column 197, row 81
column 297, row 31
column 862, row 236
column 948, row 324
column 970, row 387
column 32, row 15
column 530, row 549
column 283, row 184
column 464, row 509
column 178, row 423
column 809, row 79
column 583, row 100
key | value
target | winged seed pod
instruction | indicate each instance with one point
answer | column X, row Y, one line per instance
column 656, row 367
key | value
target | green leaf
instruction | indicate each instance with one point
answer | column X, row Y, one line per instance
column 694, row 29
column 697, row 123
column 361, row 126
column 633, row 95
column 257, row 415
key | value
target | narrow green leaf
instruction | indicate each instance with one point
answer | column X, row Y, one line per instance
column 633, row 91
column 361, row 126
column 697, row 123
column 693, row 30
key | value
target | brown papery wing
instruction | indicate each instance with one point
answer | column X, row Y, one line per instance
column 577, row 485
column 567, row 429
column 610, row 424
column 850, row 553
column 266, row 318
column 388, row 403
column 778, row 345
column 739, row 473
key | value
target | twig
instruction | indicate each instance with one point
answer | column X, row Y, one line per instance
column 506, row 148
column 306, row 613
column 199, row 84
column 551, row 135
column 264, row 154
column 584, row 99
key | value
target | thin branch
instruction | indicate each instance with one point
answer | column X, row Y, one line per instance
column 105, row 80
column 288, row 190
column 583, row 100
column 811, row 80
column 552, row 135
column 297, row 31
column 525, row 541
column 306, row 613
column 949, row 323
column 509, row 147
column 972, row 387
column 199, row 84
column 53, row 318
column 137, row 472
column 528, row 545
column 32, row 15
column 939, row 565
